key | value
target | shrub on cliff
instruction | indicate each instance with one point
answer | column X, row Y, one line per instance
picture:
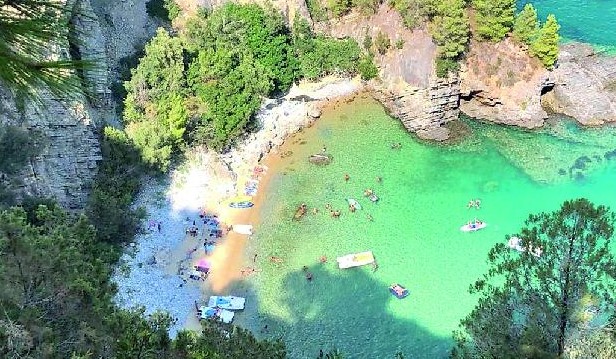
column 526, row 25
column 319, row 55
column 450, row 31
column 494, row 18
column 545, row 45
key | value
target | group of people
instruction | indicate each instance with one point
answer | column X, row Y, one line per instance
column 476, row 203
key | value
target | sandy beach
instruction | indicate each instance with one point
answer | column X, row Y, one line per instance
column 154, row 271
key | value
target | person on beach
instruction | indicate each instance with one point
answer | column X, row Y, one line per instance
column 158, row 225
column 369, row 218
column 335, row 214
column 323, row 259
column 328, row 206
column 347, row 177
column 315, row 211
column 254, row 259
column 351, row 208
column 379, row 179
column 324, row 149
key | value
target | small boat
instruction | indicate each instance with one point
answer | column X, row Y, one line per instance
column 320, row 159
column 353, row 202
column 243, row 229
column 242, row 204
column 355, row 260
column 473, row 226
column 223, row 315
column 398, row 291
column 227, row 302
column 373, row 197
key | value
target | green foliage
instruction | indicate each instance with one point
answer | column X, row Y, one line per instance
column 444, row 66
column 450, row 28
column 27, row 28
column 367, row 43
column 382, row 43
column 17, row 146
column 530, row 301
column 526, row 25
column 412, row 11
column 316, row 10
column 154, row 111
column 116, row 184
column 54, row 283
column 166, row 10
column 494, row 18
column 545, row 45
column 367, row 7
column 366, row 67
column 320, row 55
column 232, row 342
column 339, row 7
column 400, row 44
column 205, row 86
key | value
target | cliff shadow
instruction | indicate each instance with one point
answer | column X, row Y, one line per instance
column 349, row 310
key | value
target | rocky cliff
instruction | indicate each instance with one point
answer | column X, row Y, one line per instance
column 408, row 86
column 68, row 129
column 501, row 83
column 584, row 85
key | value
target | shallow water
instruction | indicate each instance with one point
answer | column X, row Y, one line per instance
column 415, row 234
column 590, row 21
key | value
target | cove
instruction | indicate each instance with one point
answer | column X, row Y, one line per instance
column 414, row 234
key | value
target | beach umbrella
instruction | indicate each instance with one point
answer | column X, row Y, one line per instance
column 203, row 265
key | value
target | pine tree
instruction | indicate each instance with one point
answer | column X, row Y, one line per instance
column 494, row 18
column 28, row 28
column 531, row 298
column 450, row 28
column 545, row 46
column 526, row 25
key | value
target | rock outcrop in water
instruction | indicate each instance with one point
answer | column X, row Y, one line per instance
column 501, row 83
column 584, row 85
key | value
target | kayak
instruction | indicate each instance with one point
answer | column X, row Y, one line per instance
column 473, row 227
column 242, row 204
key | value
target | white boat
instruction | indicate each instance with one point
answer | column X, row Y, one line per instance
column 473, row 226
column 355, row 260
column 223, row 315
column 227, row 302
column 243, row 229
column 516, row 243
column 353, row 202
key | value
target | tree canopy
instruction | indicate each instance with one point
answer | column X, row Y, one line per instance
column 494, row 18
column 532, row 301
column 526, row 25
column 545, row 45
column 205, row 85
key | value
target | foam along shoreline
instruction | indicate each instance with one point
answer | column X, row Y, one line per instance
column 147, row 274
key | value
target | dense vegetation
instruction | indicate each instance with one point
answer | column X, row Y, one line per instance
column 204, row 86
column 494, row 18
column 538, row 303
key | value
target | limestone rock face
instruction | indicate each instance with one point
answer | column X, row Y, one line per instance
column 501, row 83
column 66, row 166
column 584, row 85
column 409, row 87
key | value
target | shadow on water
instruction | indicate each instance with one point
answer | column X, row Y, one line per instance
column 323, row 314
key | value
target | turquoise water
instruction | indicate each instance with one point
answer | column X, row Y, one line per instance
column 415, row 234
column 590, row 21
